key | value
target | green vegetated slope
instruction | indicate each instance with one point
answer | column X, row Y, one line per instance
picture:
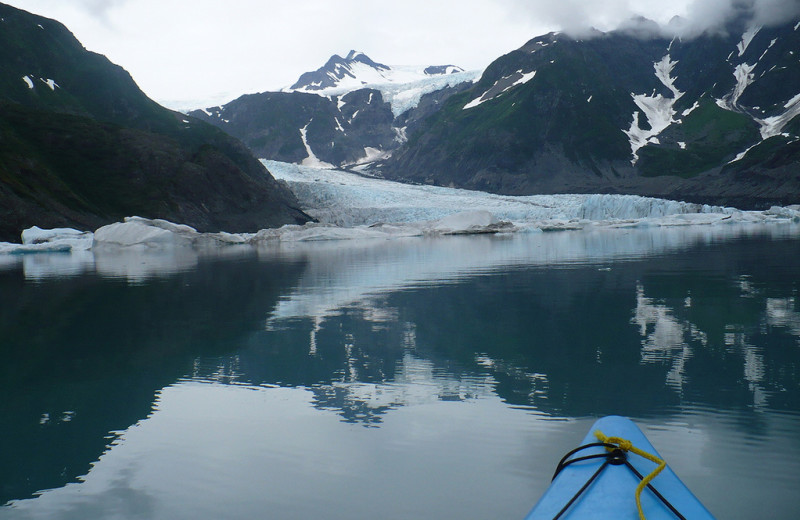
column 563, row 114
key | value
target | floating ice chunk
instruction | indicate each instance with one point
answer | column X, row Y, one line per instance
column 37, row 240
column 790, row 212
column 470, row 222
column 77, row 240
column 145, row 233
column 136, row 231
column 36, row 235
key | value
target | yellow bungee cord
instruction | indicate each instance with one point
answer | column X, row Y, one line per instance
column 626, row 445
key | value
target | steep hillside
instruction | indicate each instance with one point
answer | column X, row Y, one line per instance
column 351, row 111
column 82, row 146
column 713, row 118
column 297, row 127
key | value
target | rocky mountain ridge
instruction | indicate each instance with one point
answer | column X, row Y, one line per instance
column 712, row 118
column 349, row 112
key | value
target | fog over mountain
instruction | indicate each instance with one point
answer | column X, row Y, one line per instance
column 657, row 19
column 214, row 52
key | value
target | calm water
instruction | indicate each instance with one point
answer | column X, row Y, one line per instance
column 422, row 379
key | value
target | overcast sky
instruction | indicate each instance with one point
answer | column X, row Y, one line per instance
column 197, row 53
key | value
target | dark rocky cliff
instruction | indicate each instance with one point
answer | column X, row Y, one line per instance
column 82, row 146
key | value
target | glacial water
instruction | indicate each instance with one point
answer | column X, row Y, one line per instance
column 396, row 379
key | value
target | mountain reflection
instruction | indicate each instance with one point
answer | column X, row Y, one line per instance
column 568, row 325
column 644, row 336
column 84, row 356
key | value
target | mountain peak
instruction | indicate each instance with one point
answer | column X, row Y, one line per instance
column 357, row 70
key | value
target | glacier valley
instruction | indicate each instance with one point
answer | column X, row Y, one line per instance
column 364, row 214
column 353, row 207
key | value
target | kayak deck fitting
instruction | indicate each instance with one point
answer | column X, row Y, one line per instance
column 616, row 474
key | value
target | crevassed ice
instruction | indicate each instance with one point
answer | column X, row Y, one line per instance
column 350, row 206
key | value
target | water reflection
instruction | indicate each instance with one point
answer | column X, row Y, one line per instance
column 83, row 356
column 388, row 336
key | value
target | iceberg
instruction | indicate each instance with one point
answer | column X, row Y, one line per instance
column 136, row 231
column 157, row 233
column 37, row 240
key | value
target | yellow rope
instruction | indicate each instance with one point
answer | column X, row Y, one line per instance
column 626, row 445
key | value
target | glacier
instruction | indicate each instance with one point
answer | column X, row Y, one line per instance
column 353, row 211
column 402, row 87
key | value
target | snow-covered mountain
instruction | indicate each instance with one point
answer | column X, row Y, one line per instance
column 357, row 70
column 713, row 118
column 349, row 112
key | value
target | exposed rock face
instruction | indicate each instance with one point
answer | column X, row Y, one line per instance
column 82, row 146
column 714, row 119
column 290, row 126
column 338, row 69
column 342, row 114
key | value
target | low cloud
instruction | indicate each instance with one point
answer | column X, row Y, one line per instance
column 650, row 19
column 100, row 8
column 712, row 16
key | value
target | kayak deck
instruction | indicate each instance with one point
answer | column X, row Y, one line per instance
column 612, row 492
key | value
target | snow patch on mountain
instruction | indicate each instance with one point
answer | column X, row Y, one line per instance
column 658, row 110
column 744, row 77
column 50, row 83
column 501, row 86
column 690, row 109
column 311, row 160
column 747, row 37
column 741, row 155
column 767, row 49
column 772, row 126
column 370, row 156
